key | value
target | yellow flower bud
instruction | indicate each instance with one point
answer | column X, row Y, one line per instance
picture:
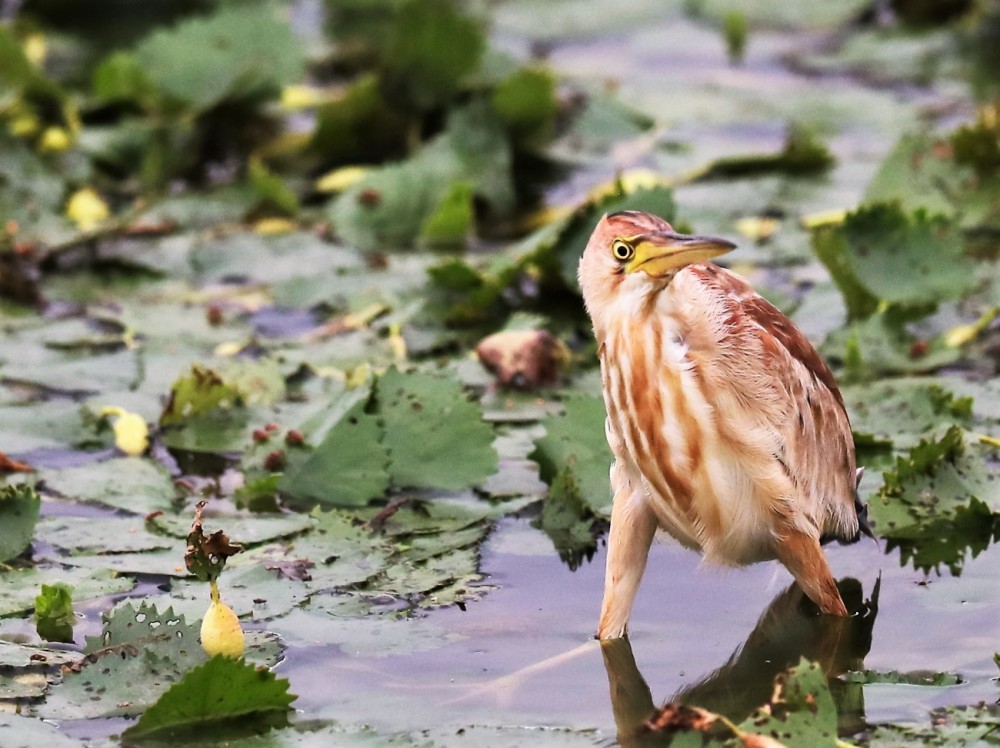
column 54, row 140
column 86, row 209
column 220, row 631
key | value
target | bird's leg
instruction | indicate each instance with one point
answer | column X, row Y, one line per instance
column 803, row 557
column 633, row 525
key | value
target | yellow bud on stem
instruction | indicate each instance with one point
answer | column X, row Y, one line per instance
column 220, row 629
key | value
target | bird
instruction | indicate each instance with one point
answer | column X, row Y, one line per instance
column 727, row 427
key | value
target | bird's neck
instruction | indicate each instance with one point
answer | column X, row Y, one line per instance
column 633, row 308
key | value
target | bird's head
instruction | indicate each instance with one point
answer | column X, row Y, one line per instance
column 632, row 254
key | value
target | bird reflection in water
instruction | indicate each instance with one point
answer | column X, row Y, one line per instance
column 789, row 629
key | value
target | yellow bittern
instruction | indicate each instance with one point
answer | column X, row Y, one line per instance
column 727, row 427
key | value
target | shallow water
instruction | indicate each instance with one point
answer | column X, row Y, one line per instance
column 524, row 654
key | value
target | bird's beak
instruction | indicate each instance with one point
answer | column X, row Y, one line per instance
column 664, row 252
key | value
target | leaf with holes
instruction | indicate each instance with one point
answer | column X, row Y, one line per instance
column 802, row 713
column 138, row 655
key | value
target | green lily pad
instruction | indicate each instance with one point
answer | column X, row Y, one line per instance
column 899, row 412
column 939, row 502
column 18, row 587
column 575, row 441
column 104, row 535
column 237, row 53
column 219, row 690
column 434, row 435
column 19, row 507
column 133, row 484
column 568, row 521
column 430, row 47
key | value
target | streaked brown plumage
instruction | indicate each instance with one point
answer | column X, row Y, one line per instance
column 727, row 427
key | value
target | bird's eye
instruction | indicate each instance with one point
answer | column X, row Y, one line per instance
column 622, row 250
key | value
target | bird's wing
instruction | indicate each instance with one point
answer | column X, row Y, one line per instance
column 770, row 360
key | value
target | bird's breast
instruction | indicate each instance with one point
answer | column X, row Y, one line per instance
column 659, row 420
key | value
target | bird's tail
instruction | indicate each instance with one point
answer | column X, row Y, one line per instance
column 861, row 509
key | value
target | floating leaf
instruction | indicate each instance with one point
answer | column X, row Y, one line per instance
column 918, row 173
column 575, row 441
column 387, row 208
column 882, row 345
column 120, row 77
column 567, row 521
column 54, row 617
column 915, row 260
column 27, row 732
column 802, row 713
column 272, row 189
column 436, row 437
column 221, row 690
column 952, row 726
column 527, row 105
column 140, row 625
column 803, row 153
column 452, row 219
column 200, row 391
column 939, row 502
column 912, row 678
column 19, row 508
column 348, row 468
column 131, row 483
column 431, row 47
column 899, row 412
column 358, row 127
column 140, row 652
column 235, row 54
